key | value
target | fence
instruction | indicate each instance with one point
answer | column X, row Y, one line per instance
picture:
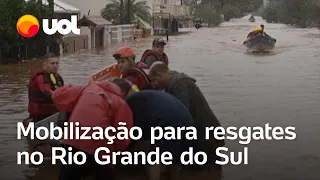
column 120, row 33
column 73, row 44
column 27, row 51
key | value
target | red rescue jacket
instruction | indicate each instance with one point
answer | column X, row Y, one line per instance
column 39, row 93
column 138, row 77
column 95, row 105
column 149, row 52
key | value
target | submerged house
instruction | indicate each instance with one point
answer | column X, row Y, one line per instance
column 99, row 31
column 167, row 14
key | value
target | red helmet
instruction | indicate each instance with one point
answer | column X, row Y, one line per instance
column 124, row 52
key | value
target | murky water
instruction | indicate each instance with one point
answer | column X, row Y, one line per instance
column 281, row 88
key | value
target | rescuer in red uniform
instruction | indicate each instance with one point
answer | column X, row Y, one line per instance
column 156, row 54
column 130, row 71
column 41, row 85
column 98, row 105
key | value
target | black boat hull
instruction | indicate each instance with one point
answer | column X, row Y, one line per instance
column 260, row 43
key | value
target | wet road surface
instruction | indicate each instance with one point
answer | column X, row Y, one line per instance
column 281, row 88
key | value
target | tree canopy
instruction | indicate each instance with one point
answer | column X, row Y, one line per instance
column 133, row 11
column 10, row 12
column 293, row 12
column 229, row 8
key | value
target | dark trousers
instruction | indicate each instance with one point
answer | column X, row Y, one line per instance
column 76, row 172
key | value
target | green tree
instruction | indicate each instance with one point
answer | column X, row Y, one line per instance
column 232, row 8
column 40, row 11
column 293, row 12
column 192, row 5
column 10, row 12
column 208, row 14
column 256, row 4
column 133, row 12
column 230, row 11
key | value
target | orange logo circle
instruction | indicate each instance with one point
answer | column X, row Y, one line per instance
column 28, row 26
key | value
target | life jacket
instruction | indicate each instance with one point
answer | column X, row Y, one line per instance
column 138, row 77
column 150, row 52
column 142, row 65
column 251, row 35
column 41, row 103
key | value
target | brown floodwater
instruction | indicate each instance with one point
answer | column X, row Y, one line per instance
column 281, row 88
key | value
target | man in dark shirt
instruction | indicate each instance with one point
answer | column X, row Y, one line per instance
column 184, row 88
column 151, row 108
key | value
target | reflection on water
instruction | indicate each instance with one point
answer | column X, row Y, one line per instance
column 280, row 88
column 267, row 53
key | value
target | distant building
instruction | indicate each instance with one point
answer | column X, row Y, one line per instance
column 159, row 5
column 167, row 14
column 93, row 8
column 62, row 9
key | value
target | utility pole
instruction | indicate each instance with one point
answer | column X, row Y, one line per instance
column 50, row 17
column 51, row 9
column 129, row 12
column 121, row 11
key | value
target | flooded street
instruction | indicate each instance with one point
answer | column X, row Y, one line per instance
column 281, row 88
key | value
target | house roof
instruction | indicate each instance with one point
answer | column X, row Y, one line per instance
column 93, row 21
column 62, row 6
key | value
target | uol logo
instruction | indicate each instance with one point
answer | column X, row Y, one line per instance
column 28, row 26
